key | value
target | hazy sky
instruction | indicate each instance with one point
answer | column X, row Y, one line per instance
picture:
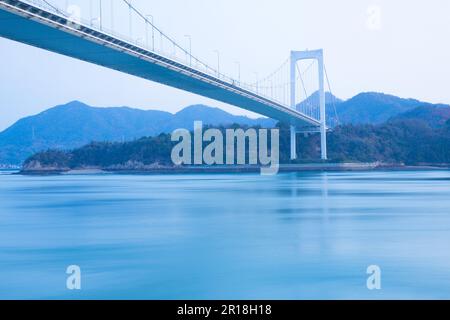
column 400, row 47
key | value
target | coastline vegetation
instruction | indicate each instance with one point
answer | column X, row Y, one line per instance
column 409, row 142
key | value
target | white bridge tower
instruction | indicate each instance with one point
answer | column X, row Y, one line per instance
column 309, row 55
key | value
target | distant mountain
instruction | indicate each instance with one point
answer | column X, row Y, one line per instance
column 435, row 116
column 374, row 108
column 212, row 116
column 332, row 102
column 75, row 124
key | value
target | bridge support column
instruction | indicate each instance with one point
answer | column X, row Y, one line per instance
column 293, row 143
column 293, row 106
column 310, row 55
column 323, row 116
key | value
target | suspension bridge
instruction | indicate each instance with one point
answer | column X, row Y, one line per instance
column 96, row 31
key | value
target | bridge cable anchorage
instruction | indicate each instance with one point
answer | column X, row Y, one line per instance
column 333, row 98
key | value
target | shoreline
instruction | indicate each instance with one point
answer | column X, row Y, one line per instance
column 287, row 168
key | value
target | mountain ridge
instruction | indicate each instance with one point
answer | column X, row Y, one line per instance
column 75, row 124
column 374, row 108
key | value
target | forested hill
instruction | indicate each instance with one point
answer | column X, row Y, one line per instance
column 408, row 142
column 75, row 124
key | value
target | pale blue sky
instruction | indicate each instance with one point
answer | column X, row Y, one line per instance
column 406, row 53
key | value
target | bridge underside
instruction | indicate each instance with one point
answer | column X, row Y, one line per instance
column 38, row 33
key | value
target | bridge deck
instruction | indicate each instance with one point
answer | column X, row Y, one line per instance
column 23, row 22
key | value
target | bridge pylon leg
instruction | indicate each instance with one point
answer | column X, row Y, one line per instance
column 318, row 56
column 293, row 143
column 293, row 66
column 323, row 118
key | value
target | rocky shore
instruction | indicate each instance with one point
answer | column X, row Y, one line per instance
column 35, row 168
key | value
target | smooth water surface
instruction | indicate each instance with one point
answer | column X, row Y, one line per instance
column 241, row 236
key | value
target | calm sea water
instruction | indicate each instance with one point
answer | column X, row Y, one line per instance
column 292, row 236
